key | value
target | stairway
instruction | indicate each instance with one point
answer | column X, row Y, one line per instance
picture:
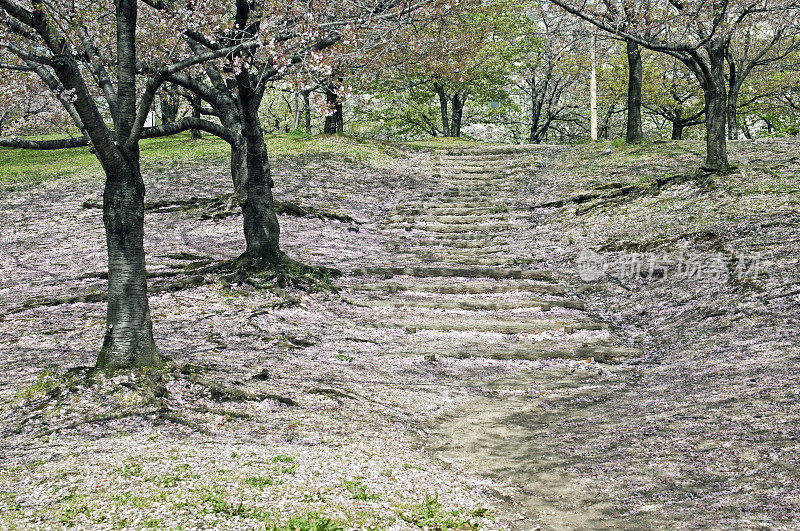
column 453, row 288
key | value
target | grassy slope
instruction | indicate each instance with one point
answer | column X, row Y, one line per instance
column 18, row 166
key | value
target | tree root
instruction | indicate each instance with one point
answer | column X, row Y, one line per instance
column 175, row 419
column 153, row 289
column 782, row 295
column 151, row 385
column 706, row 238
column 222, row 412
column 103, row 418
column 274, row 280
column 331, row 392
column 620, row 192
column 243, row 271
column 225, row 205
column 233, row 394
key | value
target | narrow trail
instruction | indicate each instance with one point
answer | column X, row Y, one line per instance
column 455, row 293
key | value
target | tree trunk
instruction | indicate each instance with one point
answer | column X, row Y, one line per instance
column 307, row 110
column 677, row 130
column 196, row 102
column 335, row 122
column 261, row 230
column 746, row 130
column 731, row 113
column 458, row 102
column 633, row 133
column 129, row 329
column 296, row 113
column 716, row 104
column 169, row 109
column 593, row 92
column 340, row 118
column 444, row 102
column 604, row 131
column 537, row 102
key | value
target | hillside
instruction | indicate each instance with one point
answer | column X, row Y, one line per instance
column 476, row 366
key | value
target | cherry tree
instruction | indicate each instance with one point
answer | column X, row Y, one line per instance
column 761, row 42
column 549, row 69
column 87, row 52
column 427, row 78
column 697, row 32
column 671, row 94
column 298, row 39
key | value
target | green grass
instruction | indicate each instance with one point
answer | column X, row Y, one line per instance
column 259, row 482
column 30, row 166
column 23, row 166
column 44, row 383
column 430, row 514
column 214, row 502
column 311, row 523
column 359, row 491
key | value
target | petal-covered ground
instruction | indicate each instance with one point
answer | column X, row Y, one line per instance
column 700, row 431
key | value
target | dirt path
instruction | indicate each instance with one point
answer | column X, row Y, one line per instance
column 456, row 293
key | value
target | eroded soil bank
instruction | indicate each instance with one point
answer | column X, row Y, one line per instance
column 700, row 431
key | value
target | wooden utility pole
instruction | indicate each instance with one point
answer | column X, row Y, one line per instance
column 593, row 88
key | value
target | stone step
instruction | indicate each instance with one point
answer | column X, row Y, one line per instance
column 444, row 238
column 479, row 304
column 482, row 261
column 433, row 210
column 467, row 243
column 475, row 158
column 502, row 325
column 451, row 207
column 414, row 244
column 485, row 160
column 474, row 167
column 471, row 166
column 499, row 150
column 423, row 260
column 448, row 201
column 454, row 227
column 448, row 220
column 452, row 271
column 462, row 288
column 464, row 175
column 472, row 174
column 600, row 352
column 488, row 194
column 482, row 190
column 428, row 252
